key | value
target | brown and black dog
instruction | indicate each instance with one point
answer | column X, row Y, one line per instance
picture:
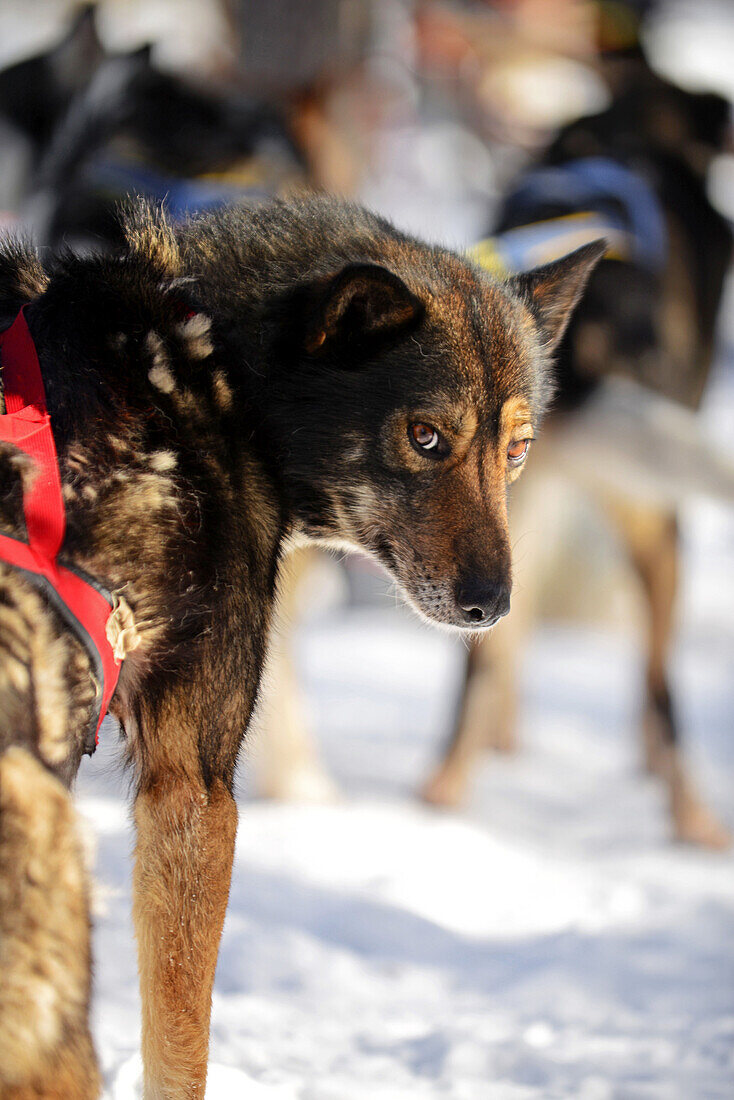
column 217, row 391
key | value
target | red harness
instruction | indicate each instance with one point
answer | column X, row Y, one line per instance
column 86, row 607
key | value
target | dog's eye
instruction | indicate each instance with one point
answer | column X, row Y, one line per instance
column 517, row 452
column 424, row 437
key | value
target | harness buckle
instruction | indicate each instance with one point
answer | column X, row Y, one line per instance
column 121, row 629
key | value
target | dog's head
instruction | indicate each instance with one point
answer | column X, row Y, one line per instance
column 412, row 409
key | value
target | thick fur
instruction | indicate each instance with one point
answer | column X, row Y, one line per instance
column 217, row 391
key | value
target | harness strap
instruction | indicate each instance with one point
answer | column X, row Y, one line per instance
column 90, row 612
column 28, row 425
column 529, row 246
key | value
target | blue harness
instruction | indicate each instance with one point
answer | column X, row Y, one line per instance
column 606, row 200
column 180, row 196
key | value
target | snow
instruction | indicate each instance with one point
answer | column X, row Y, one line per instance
column 548, row 942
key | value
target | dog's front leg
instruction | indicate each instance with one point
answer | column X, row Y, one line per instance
column 185, row 845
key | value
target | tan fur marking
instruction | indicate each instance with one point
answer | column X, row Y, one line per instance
column 354, row 447
column 30, row 278
column 122, row 446
column 461, row 426
column 14, row 674
column 76, row 458
column 515, row 414
column 154, row 492
column 45, row 686
column 343, row 527
column 52, row 695
column 34, row 654
column 187, row 403
column 313, row 343
column 163, row 461
column 161, row 377
column 195, row 333
column 157, row 350
column 222, row 391
column 515, row 424
column 364, row 507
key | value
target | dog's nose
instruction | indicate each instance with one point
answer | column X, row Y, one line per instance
column 482, row 602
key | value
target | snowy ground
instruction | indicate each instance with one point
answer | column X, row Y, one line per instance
column 549, row 942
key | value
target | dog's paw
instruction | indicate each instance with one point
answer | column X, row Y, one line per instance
column 446, row 787
column 695, row 824
column 309, row 784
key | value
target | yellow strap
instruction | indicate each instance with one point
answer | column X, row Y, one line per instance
column 486, row 255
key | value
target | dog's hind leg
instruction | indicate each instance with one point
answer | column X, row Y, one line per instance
column 651, row 538
column 186, row 821
column 45, row 1044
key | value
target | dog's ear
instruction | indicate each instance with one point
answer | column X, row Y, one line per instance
column 553, row 290
column 364, row 302
column 80, row 51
